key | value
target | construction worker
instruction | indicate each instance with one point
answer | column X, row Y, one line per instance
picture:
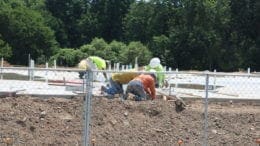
column 155, row 64
column 93, row 63
column 142, row 86
column 116, row 82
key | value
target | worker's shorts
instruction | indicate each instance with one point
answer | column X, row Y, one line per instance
column 136, row 87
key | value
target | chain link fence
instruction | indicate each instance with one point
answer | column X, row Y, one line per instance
column 207, row 86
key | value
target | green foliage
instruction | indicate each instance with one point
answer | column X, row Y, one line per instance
column 68, row 14
column 5, row 49
column 137, row 22
column 89, row 27
column 133, row 50
column 26, row 33
column 68, row 57
column 110, row 15
column 160, row 46
column 117, row 51
column 200, row 34
column 97, row 47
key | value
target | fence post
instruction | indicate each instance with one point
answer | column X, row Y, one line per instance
column 214, row 83
column 87, row 106
column 176, row 83
column 109, row 68
column 165, row 68
column 2, row 65
column 109, row 65
column 206, row 112
column 46, row 72
column 29, row 70
column 130, row 66
column 136, row 63
column 248, row 72
column 32, row 71
column 114, row 67
column 29, row 66
column 55, row 66
column 117, row 66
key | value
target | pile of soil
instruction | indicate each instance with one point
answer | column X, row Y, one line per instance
column 58, row 121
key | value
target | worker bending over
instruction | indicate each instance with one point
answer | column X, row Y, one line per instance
column 155, row 64
column 142, row 86
column 116, row 82
column 92, row 63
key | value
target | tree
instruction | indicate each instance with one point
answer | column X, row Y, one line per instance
column 5, row 49
column 110, row 16
column 136, row 49
column 68, row 57
column 25, row 31
column 116, row 49
column 89, row 27
column 68, row 13
column 137, row 21
column 97, row 47
column 244, row 34
column 160, row 47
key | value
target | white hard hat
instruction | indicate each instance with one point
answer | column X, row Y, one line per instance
column 154, row 62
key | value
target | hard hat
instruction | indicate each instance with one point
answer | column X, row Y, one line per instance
column 154, row 62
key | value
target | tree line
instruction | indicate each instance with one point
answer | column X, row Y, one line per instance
column 184, row 34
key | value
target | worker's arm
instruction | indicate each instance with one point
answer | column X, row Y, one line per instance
column 152, row 88
column 161, row 76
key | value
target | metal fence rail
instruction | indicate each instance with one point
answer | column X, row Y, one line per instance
column 66, row 81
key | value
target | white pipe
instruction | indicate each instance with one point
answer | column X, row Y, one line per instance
column 214, row 87
column 136, row 63
column 176, row 83
column 32, row 63
column 46, row 73
column 117, row 66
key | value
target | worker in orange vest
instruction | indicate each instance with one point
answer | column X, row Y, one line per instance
column 142, row 86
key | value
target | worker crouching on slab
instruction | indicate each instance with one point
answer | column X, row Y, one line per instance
column 155, row 64
column 142, row 86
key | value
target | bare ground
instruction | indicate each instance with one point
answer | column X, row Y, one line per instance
column 58, row 121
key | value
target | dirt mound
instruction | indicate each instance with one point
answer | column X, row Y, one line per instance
column 58, row 121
